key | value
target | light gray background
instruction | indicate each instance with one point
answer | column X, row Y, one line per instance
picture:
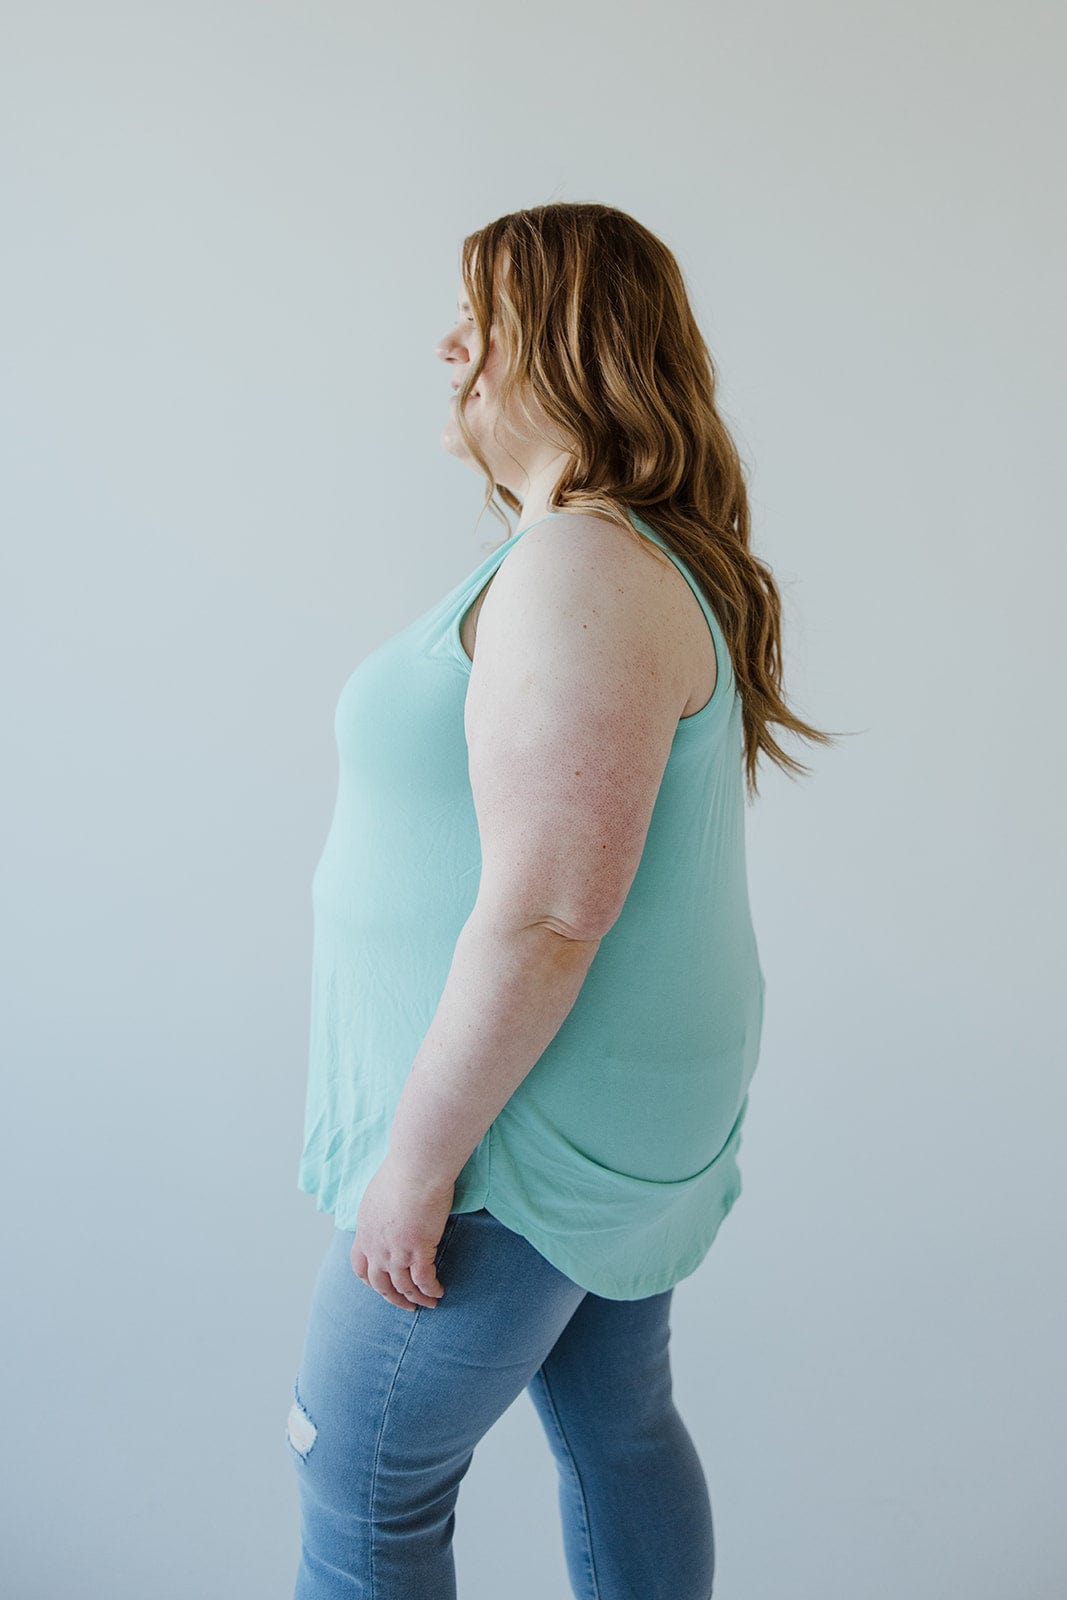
column 231, row 242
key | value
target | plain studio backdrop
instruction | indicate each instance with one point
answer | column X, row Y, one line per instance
column 231, row 243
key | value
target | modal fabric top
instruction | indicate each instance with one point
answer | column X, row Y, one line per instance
column 616, row 1157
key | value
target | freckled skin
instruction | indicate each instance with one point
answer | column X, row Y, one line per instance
column 568, row 667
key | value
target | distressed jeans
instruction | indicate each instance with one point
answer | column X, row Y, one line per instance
column 389, row 1404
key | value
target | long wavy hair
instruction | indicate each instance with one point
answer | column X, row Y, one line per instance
column 591, row 312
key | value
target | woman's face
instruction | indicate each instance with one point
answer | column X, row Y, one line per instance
column 460, row 349
column 514, row 458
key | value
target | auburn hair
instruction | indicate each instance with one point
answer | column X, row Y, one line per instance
column 591, row 312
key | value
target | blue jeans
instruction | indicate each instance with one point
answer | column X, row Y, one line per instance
column 390, row 1402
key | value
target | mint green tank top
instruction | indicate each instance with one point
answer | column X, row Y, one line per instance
column 616, row 1157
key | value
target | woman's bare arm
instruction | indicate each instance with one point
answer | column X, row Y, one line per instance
column 577, row 685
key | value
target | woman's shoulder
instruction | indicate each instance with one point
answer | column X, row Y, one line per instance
column 630, row 583
column 590, row 550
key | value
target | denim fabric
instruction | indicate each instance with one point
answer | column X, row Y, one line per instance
column 389, row 1404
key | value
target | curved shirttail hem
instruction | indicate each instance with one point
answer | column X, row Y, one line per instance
column 312, row 1184
column 610, row 1288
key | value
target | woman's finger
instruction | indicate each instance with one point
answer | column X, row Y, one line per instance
column 406, row 1284
column 380, row 1280
column 424, row 1274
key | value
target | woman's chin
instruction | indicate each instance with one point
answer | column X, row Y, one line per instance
column 452, row 441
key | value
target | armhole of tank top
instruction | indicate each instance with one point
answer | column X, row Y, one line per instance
column 724, row 672
column 473, row 587
column 482, row 575
column 477, row 581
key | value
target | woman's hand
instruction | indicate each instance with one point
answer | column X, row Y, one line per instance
column 398, row 1228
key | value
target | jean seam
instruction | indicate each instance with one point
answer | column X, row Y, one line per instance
column 446, row 1237
column 587, row 1536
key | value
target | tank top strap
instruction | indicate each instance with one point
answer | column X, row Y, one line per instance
column 446, row 621
column 462, row 598
column 485, row 569
column 722, row 649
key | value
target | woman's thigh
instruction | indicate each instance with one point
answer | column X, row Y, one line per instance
column 634, row 1501
column 389, row 1404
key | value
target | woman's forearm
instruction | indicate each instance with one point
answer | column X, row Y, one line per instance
column 507, row 993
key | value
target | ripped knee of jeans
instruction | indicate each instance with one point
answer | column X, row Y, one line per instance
column 300, row 1431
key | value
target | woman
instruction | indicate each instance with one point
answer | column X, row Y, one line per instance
column 537, row 997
